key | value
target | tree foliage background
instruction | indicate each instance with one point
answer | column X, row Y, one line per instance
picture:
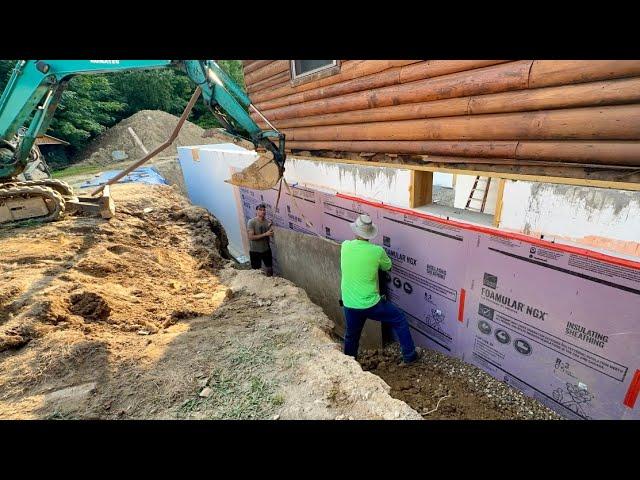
column 92, row 103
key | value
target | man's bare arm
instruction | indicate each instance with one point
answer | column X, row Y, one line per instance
column 253, row 236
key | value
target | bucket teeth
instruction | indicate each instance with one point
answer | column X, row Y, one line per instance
column 263, row 174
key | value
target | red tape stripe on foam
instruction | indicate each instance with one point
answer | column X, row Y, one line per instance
column 634, row 388
column 461, row 307
column 517, row 236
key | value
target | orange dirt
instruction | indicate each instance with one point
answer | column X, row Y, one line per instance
column 141, row 316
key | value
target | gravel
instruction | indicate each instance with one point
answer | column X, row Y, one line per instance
column 451, row 376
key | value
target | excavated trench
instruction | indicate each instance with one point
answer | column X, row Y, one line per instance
column 439, row 387
column 444, row 388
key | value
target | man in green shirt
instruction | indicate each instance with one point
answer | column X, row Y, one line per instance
column 359, row 263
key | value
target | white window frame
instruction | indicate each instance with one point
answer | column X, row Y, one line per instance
column 295, row 76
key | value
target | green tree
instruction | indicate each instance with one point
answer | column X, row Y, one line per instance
column 167, row 90
column 6, row 67
column 86, row 109
column 235, row 71
column 88, row 106
column 92, row 103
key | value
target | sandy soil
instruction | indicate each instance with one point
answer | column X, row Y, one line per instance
column 142, row 317
column 153, row 127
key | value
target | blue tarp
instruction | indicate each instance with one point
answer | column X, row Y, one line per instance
column 140, row 175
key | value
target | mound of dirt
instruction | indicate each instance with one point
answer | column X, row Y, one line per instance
column 90, row 306
column 142, row 317
column 153, row 127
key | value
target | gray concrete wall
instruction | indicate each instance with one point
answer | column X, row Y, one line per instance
column 313, row 263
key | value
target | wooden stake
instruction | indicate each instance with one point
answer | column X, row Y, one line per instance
column 498, row 212
column 168, row 142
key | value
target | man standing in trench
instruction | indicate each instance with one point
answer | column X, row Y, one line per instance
column 360, row 262
column 259, row 231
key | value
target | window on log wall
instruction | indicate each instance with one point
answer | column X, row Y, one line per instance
column 309, row 70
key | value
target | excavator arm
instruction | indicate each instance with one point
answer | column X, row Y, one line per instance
column 31, row 97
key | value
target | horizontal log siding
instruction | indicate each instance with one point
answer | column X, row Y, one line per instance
column 572, row 111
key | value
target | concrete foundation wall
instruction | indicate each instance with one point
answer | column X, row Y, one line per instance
column 598, row 217
column 386, row 185
column 313, row 263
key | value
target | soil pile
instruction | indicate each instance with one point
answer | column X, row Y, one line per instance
column 153, row 127
column 142, row 317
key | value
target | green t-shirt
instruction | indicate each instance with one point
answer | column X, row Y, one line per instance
column 360, row 262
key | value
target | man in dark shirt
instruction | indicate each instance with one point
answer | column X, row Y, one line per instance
column 259, row 230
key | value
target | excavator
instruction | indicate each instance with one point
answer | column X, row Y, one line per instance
column 33, row 93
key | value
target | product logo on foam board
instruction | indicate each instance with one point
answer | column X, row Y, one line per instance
column 522, row 347
column 484, row 311
column 503, row 336
column 513, row 304
column 575, row 397
column 490, row 281
column 484, row 327
column 401, row 257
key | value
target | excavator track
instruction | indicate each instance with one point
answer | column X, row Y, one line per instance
column 63, row 188
column 29, row 202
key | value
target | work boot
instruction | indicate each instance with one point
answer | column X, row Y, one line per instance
column 414, row 360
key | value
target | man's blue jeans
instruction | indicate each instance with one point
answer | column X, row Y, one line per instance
column 383, row 312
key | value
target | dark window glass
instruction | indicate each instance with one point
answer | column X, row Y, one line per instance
column 306, row 66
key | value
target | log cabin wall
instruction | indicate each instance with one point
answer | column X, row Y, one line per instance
column 532, row 113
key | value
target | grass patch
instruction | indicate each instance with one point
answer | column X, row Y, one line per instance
column 21, row 224
column 58, row 415
column 188, row 407
column 291, row 361
column 250, row 358
column 240, row 391
column 77, row 170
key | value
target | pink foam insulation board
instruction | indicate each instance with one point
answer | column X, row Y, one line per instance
column 559, row 323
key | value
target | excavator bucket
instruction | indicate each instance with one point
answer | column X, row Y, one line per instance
column 263, row 174
column 102, row 206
